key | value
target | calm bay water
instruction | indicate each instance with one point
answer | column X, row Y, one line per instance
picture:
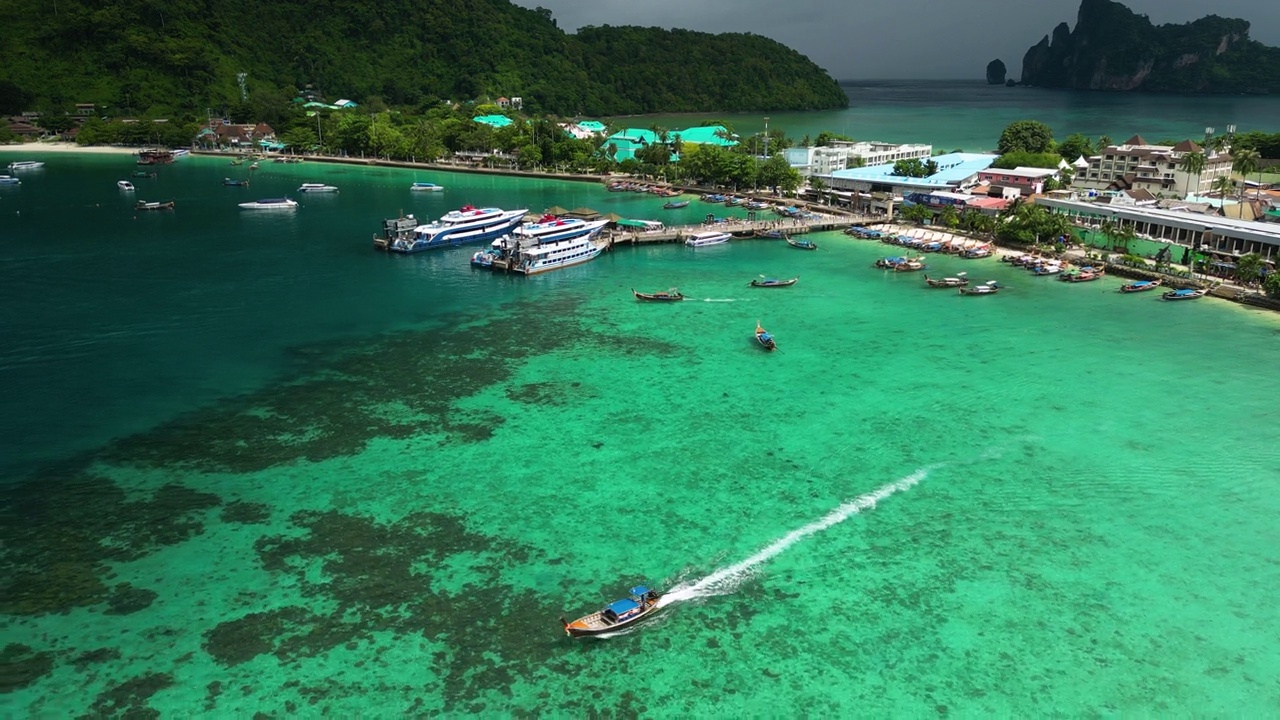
column 253, row 465
column 970, row 115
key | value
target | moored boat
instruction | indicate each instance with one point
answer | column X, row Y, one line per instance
column 990, row 288
column 9, row 180
column 672, row 295
column 911, row 265
column 397, row 228
column 25, row 165
column 317, row 188
column 142, row 174
column 459, row 227
column 618, row 614
column 703, row 239
column 426, row 187
column 235, row 183
column 673, row 205
column 1141, row 286
column 1185, row 294
column 1084, row 274
column 960, row 280
column 801, row 244
column 271, row 204
column 144, row 205
column 549, row 244
column 157, row 156
column 124, row 185
column 773, row 282
column 771, row 234
column 765, row 339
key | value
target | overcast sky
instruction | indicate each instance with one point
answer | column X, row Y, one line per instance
column 856, row 39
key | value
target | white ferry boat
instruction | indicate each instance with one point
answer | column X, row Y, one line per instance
column 710, row 237
column 459, row 227
column 271, row 204
column 317, row 188
column 548, row 244
column 426, row 187
column 25, row 165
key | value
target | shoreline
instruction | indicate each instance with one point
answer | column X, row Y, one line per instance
column 67, row 147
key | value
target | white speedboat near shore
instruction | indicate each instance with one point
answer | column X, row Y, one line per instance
column 124, row 185
column 426, row 187
column 270, row 204
column 317, row 188
column 9, row 180
column 703, row 239
column 25, row 165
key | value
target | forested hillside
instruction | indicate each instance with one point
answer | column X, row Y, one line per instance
column 185, row 55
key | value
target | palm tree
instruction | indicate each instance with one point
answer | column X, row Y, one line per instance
column 1108, row 228
column 1247, row 161
column 1193, row 163
column 1249, row 267
column 1224, row 184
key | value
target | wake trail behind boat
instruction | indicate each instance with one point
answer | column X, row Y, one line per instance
column 719, row 300
column 726, row 580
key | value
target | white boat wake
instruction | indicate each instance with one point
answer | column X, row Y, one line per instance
column 726, row 580
column 718, row 300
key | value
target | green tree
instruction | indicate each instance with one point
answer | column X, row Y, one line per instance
column 1272, row 284
column 1224, row 184
column 949, row 216
column 1103, row 142
column 914, row 167
column 1192, row 163
column 1075, row 146
column 299, row 138
column 1245, row 162
column 529, row 156
column 1249, row 268
column 1030, row 136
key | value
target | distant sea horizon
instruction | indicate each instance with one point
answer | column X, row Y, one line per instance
column 969, row 114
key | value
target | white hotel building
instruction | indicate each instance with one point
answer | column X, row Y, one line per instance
column 841, row 154
column 1135, row 164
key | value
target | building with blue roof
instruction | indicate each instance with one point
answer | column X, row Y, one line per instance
column 955, row 171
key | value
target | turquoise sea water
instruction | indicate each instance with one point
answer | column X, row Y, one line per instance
column 252, row 465
column 971, row 114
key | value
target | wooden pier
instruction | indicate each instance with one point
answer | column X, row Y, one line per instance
column 742, row 229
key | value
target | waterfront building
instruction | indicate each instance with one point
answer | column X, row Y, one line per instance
column 821, row 161
column 493, row 121
column 627, row 141
column 583, row 129
column 956, row 171
column 1135, row 163
column 1210, row 233
column 1018, row 182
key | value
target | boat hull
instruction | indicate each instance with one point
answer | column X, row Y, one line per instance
column 455, row 239
column 536, row 270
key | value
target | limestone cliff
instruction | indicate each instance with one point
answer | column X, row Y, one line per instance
column 1111, row 48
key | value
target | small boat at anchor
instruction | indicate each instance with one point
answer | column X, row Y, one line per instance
column 1085, row 274
column 9, row 180
column 142, row 174
column 615, row 616
column 672, row 295
column 1141, row 286
column 426, row 187
column 673, row 205
column 765, row 339
column 990, row 288
column 25, row 165
column 144, row 205
column 801, row 244
column 960, row 280
column 317, row 188
column 125, row 185
column 1185, row 294
column 773, row 282
column 271, row 204
column 235, row 183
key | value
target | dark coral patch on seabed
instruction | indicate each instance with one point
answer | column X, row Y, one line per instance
column 21, row 665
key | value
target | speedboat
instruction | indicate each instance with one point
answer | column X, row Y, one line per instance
column 618, row 614
column 9, row 180
column 124, row 185
column 25, row 165
column 990, row 288
column 459, row 227
column 803, row 244
column 271, row 204
column 235, row 183
column 703, row 239
column 144, row 205
column 773, row 282
column 426, row 187
column 317, row 188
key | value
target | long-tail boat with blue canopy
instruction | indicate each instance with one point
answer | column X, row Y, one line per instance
column 616, row 615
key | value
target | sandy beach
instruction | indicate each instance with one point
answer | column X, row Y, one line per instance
column 65, row 147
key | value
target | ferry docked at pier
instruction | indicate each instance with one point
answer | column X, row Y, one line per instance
column 459, row 227
column 548, row 244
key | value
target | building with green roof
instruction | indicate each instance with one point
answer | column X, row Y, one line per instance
column 495, row 121
column 629, row 140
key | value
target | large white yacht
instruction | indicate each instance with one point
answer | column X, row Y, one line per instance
column 459, row 227
column 548, row 244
